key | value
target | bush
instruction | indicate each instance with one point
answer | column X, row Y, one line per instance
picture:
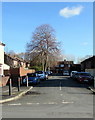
column 37, row 68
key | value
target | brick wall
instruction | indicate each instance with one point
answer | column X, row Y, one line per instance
column 92, row 71
column 20, row 71
column 3, row 81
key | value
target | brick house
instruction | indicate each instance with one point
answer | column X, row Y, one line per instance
column 88, row 65
column 14, row 61
column 75, row 67
column 20, row 62
column 63, row 65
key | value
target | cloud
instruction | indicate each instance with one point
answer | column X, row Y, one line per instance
column 69, row 12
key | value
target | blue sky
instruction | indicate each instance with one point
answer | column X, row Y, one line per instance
column 72, row 21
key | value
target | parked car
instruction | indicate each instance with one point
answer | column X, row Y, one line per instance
column 84, row 77
column 33, row 78
column 41, row 75
column 46, row 74
column 49, row 72
column 72, row 73
column 66, row 72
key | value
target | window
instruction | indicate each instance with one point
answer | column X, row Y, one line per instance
column 68, row 65
column 61, row 65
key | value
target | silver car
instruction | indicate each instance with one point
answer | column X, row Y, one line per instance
column 41, row 75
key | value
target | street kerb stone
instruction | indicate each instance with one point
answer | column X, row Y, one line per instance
column 16, row 97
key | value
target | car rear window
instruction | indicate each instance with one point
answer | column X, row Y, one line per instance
column 31, row 75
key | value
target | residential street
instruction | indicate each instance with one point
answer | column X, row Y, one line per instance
column 47, row 60
column 57, row 97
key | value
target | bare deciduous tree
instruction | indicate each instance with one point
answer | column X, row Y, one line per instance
column 43, row 48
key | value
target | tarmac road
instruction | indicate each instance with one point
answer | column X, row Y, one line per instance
column 57, row 97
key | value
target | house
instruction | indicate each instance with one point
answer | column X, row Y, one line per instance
column 1, row 58
column 63, row 65
column 19, row 62
column 88, row 65
column 14, row 61
column 11, row 61
column 75, row 67
column 3, row 79
column 8, row 60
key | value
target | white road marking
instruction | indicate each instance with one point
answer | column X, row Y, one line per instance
column 60, row 86
column 61, row 94
column 15, row 104
column 52, row 103
column 29, row 103
column 37, row 103
column 66, row 102
column 49, row 103
column 33, row 103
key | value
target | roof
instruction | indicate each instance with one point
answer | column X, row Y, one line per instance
column 15, row 58
column 65, row 62
column 9, row 56
column 88, row 59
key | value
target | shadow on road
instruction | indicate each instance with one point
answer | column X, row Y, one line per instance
column 62, row 81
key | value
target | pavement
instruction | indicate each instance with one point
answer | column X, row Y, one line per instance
column 15, row 94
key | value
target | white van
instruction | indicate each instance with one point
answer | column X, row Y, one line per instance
column 72, row 73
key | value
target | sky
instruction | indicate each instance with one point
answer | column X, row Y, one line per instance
column 72, row 21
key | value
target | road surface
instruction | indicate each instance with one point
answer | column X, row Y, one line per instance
column 57, row 97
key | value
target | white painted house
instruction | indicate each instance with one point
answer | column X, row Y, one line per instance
column 1, row 58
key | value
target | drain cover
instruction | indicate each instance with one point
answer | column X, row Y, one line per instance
column 32, row 93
